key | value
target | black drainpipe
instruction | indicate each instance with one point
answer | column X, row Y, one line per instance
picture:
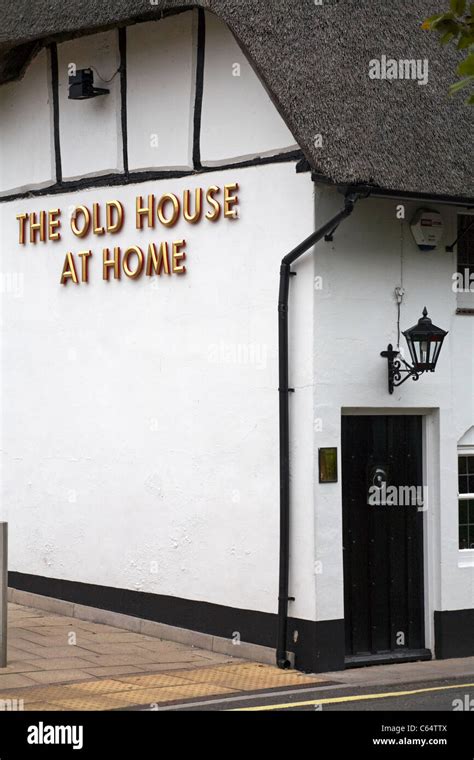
column 284, row 390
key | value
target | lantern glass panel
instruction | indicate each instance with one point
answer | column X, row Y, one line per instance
column 437, row 343
column 424, row 351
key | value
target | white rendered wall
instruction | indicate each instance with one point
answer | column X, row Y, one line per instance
column 239, row 121
column 138, row 451
column 160, row 92
column 355, row 318
column 26, row 132
column 238, row 118
column 90, row 130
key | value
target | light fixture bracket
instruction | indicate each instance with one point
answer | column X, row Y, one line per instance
column 396, row 370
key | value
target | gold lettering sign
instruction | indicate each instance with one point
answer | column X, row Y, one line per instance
column 151, row 212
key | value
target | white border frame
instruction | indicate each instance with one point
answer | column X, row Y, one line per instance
column 465, row 556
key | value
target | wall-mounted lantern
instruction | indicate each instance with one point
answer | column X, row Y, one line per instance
column 424, row 341
column 81, row 86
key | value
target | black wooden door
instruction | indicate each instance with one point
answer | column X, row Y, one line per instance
column 383, row 537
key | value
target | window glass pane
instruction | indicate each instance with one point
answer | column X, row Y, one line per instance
column 470, row 504
column 465, row 244
column 464, row 484
column 466, row 524
column 471, row 537
column 470, row 465
column 463, row 465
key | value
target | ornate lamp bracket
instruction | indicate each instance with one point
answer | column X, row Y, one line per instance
column 396, row 370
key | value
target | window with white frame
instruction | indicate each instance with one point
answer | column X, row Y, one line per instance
column 465, row 261
column 466, row 499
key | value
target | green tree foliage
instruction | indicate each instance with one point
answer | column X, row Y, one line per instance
column 457, row 26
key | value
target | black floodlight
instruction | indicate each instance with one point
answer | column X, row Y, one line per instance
column 81, row 86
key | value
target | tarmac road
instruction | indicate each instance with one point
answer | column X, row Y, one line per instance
column 454, row 694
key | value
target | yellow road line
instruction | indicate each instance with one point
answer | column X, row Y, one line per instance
column 360, row 697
